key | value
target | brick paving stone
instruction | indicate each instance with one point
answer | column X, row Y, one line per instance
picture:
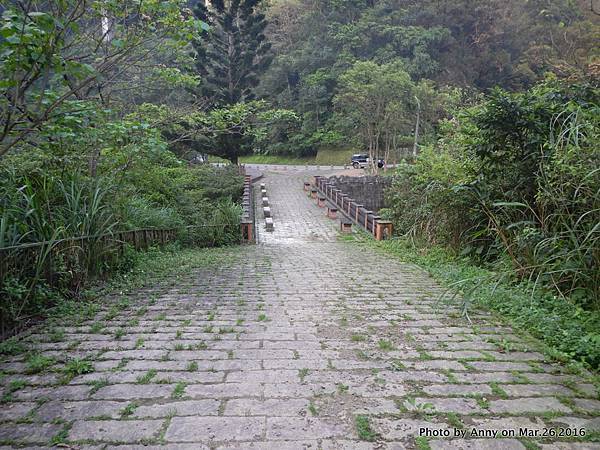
column 78, row 410
column 287, row 428
column 133, row 376
column 437, row 364
column 262, row 376
column 225, row 390
column 488, row 377
column 500, row 366
column 215, row 429
column 133, row 391
column 377, row 406
column 457, row 389
column 509, row 423
column 516, row 356
column 478, row 444
column 54, row 393
column 281, row 347
column 295, row 364
column 404, row 428
column 28, row 433
column 530, row 390
column 587, row 389
column 532, row 405
column 250, row 407
column 14, row 411
column 588, row 405
column 179, row 408
column 114, row 431
column 588, row 424
column 455, row 405
column 295, row 390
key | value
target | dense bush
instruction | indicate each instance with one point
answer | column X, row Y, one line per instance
column 424, row 203
column 515, row 179
column 137, row 183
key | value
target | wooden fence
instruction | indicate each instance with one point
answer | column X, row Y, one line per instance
column 42, row 256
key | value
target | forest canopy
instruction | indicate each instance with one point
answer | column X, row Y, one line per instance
column 467, row 45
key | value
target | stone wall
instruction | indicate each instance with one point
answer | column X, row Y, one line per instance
column 367, row 191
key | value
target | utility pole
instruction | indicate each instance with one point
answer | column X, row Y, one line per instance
column 416, row 146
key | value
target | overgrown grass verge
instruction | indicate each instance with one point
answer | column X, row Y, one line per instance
column 334, row 157
column 172, row 263
column 151, row 268
column 570, row 333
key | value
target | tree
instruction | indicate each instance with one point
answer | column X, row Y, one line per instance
column 236, row 51
column 229, row 131
column 59, row 59
column 377, row 100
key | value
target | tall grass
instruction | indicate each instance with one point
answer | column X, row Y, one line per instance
column 219, row 226
column 47, row 211
column 520, row 197
column 556, row 240
column 71, row 221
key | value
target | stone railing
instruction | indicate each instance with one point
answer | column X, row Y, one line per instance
column 369, row 191
column 356, row 213
column 248, row 222
column 266, row 206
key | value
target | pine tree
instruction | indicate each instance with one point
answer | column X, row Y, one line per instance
column 235, row 52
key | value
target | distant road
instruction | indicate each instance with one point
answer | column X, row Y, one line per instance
column 299, row 167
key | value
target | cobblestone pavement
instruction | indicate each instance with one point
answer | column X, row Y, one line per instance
column 313, row 343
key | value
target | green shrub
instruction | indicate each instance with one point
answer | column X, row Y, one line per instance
column 218, row 226
column 516, row 180
column 50, row 206
column 425, row 204
column 140, row 213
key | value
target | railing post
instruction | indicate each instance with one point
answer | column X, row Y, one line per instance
column 367, row 213
column 375, row 220
column 384, row 230
column 357, row 210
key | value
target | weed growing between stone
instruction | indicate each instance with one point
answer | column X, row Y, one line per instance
column 570, row 334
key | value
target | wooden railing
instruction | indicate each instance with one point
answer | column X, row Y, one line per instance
column 32, row 254
column 26, row 255
column 358, row 214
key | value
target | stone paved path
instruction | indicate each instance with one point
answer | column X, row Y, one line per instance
column 314, row 344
